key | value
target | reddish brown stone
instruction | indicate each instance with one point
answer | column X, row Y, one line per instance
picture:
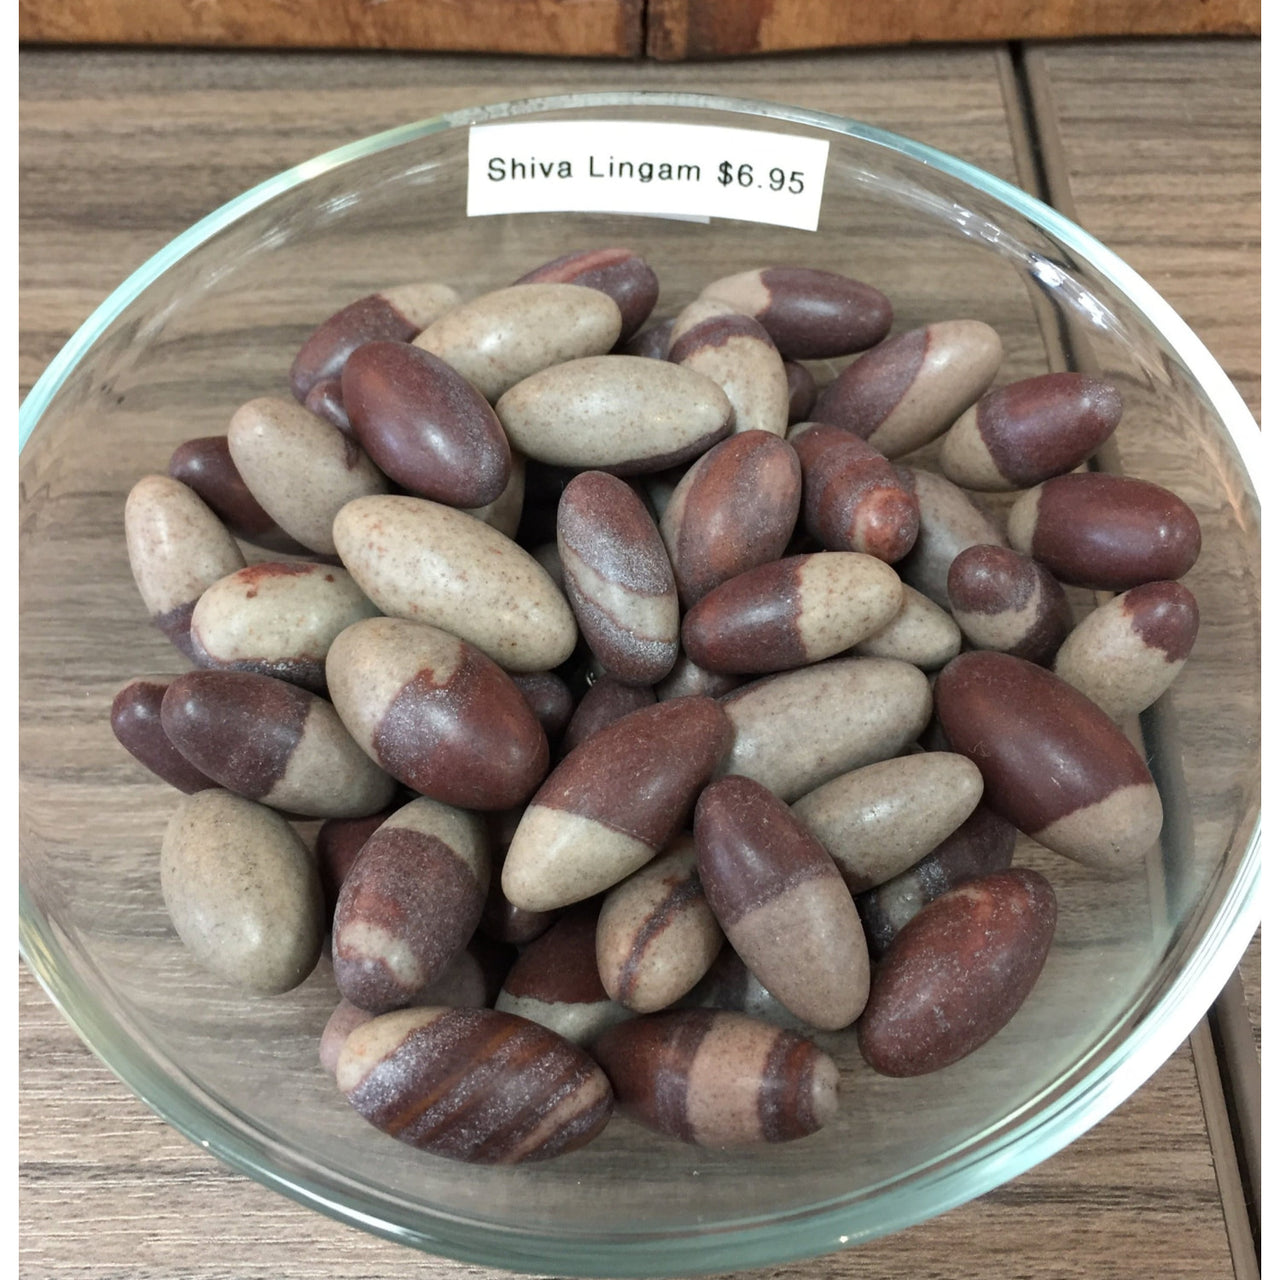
column 652, row 343
column 802, row 391
column 135, row 720
column 621, row 273
column 325, row 352
column 560, row 966
column 325, row 401
column 1165, row 616
column 338, row 844
column 867, row 391
column 548, row 697
column 604, row 702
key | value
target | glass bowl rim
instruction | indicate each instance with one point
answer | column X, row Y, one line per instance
column 793, row 1234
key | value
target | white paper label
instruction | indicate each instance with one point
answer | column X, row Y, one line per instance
column 610, row 166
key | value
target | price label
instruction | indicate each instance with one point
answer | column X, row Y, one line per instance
column 672, row 170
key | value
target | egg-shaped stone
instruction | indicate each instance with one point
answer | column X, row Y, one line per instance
column 621, row 273
column 136, row 723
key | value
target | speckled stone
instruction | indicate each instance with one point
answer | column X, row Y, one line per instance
column 657, row 935
column 242, row 892
column 688, row 680
column 1128, row 651
column 436, row 714
column 920, row 633
column 621, row 273
column 957, row 973
column 781, row 902
column 338, row 845
column 500, row 338
column 426, row 562
column 719, row 1079
column 810, row 314
column 624, row 414
column 474, row 1085
column 605, row 702
column 549, row 698
column 795, row 731
column 302, row 469
column 177, row 548
column 734, row 509
column 618, row 578
column 272, row 742
column 506, row 510
column 277, row 618
column 912, row 387
column 1054, row 764
column 135, row 720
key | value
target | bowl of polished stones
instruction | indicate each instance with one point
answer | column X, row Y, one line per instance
column 637, row 731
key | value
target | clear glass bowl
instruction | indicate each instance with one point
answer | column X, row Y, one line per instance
column 215, row 318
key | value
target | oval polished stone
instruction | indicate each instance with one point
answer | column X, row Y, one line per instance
column 912, row 387
column 881, row 819
column 1128, row 651
column 242, row 892
column 618, row 578
column 795, row 731
column 623, row 414
column 135, row 720
column 338, row 845
column 501, row 920
column 325, row 401
column 810, row 314
column 957, row 973
column 426, row 562
column 781, row 902
column 737, row 354
column 397, row 315
column 791, row 613
column 854, row 500
column 300, row 468
column 556, row 983
column 436, row 714
column 425, row 425
column 409, row 904
column 734, row 509
column 549, row 699
column 1021, row 434
column 205, row 465
column 1054, row 764
column 590, row 825
column 277, row 619
column 802, row 392
column 177, row 549
column 657, row 935
column 272, row 742
column 652, row 343
column 621, row 273
column 949, row 522
column 719, row 1079
column 500, row 338
column 1005, row 601
column 981, row 844
column 1106, row 532
column 688, row 680
column 474, row 1085
column 920, row 633
column 605, row 702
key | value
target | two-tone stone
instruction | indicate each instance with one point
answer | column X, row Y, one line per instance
column 781, row 902
column 500, row 338
column 1018, row 435
column 325, row 401
column 912, row 387
column 409, row 904
column 1127, row 652
column 606, row 701
column 651, row 343
column 1054, row 764
column 621, row 273
column 590, row 825
column 719, row 1079
column 242, row 892
column 657, row 935
column 436, row 713
column 618, row 578
column 920, row 632
column 425, row 425
column 277, row 618
column 810, row 314
column 625, row 414
column 957, row 973
column 397, row 314
column 273, row 742
column 791, row 613
column 338, row 845
column 981, row 844
column 302, row 469
column 854, row 500
column 688, row 680
column 474, row 1085
column 506, row 511
column 1006, row 601
column 949, row 522
column 136, row 723
column 502, row 921
column 877, row 821
column 797, row 730
column 1107, row 532
column 734, row 509
column 177, row 549
column 425, row 562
